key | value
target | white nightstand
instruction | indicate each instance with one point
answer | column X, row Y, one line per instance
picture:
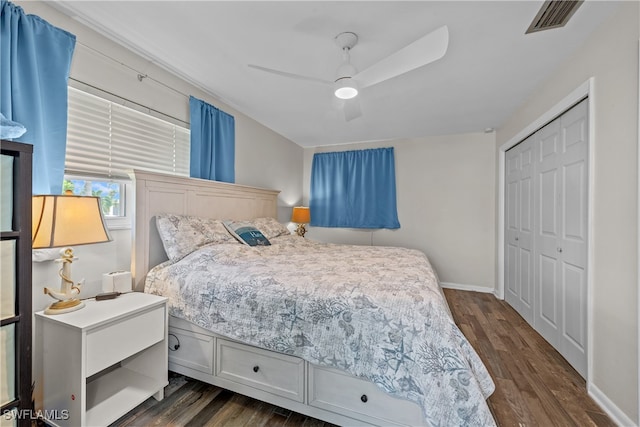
column 103, row 360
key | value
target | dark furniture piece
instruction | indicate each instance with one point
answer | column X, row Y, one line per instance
column 16, row 319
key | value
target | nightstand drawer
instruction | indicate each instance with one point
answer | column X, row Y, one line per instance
column 117, row 341
column 264, row 370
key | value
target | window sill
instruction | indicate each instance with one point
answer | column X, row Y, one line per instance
column 118, row 224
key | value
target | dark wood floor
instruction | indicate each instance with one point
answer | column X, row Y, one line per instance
column 535, row 386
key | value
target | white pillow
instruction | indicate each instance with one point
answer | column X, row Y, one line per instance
column 270, row 227
column 183, row 234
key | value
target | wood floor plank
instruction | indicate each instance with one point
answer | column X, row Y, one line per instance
column 151, row 412
column 540, row 417
column 515, row 400
column 295, row 420
column 231, row 413
column 535, row 386
column 214, row 406
column 197, row 404
column 183, row 410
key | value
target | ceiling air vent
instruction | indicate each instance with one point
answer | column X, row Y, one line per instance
column 553, row 14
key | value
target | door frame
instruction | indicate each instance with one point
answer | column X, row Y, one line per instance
column 586, row 89
column 638, row 226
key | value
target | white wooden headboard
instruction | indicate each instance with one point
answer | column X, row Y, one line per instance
column 157, row 193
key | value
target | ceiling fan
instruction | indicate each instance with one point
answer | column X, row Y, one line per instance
column 348, row 81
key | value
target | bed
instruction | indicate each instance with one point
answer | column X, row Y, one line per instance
column 353, row 335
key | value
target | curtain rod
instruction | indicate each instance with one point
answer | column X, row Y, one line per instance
column 141, row 76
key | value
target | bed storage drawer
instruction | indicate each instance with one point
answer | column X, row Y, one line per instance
column 264, row 370
column 194, row 350
column 336, row 391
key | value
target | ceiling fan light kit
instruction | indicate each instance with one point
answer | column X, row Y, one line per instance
column 349, row 81
column 346, row 88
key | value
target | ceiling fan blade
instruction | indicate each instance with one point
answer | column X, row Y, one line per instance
column 421, row 52
column 352, row 109
column 290, row 75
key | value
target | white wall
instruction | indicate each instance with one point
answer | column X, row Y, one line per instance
column 446, row 205
column 610, row 56
column 263, row 158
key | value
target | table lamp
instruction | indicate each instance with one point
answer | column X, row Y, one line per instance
column 62, row 221
column 301, row 216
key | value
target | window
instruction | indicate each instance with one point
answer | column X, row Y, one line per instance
column 106, row 141
column 112, row 193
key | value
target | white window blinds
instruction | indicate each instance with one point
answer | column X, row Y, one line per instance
column 108, row 140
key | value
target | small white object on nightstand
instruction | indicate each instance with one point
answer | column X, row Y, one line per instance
column 100, row 362
column 116, row 281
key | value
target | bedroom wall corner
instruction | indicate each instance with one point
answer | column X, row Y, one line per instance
column 446, row 204
column 266, row 159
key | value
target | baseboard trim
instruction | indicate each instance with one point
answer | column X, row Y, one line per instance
column 618, row 417
column 461, row 287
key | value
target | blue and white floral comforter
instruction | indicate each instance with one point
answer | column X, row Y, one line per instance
column 375, row 312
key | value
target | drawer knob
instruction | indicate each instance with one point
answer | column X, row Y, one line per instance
column 256, row 368
column 364, row 398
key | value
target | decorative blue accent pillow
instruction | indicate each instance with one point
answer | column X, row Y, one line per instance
column 10, row 129
column 246, row 233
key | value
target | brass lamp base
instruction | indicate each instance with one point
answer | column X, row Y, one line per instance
column 301, row 230
column 65, row 306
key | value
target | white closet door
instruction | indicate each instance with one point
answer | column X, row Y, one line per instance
column 519, row 226
column 546, row 233
column 572, row 342
column 512, row 227
column 547, row 263
column 561, row 235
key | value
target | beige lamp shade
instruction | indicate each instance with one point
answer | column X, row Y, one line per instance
column 67, row 220
column 301, row 215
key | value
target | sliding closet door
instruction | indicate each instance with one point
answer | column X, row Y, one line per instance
column 561, row 236
column 519, row 225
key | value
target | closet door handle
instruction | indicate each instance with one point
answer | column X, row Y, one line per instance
column 256, row 368
column 364, row 398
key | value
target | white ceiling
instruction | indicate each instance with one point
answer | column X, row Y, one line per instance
column 491, row 67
